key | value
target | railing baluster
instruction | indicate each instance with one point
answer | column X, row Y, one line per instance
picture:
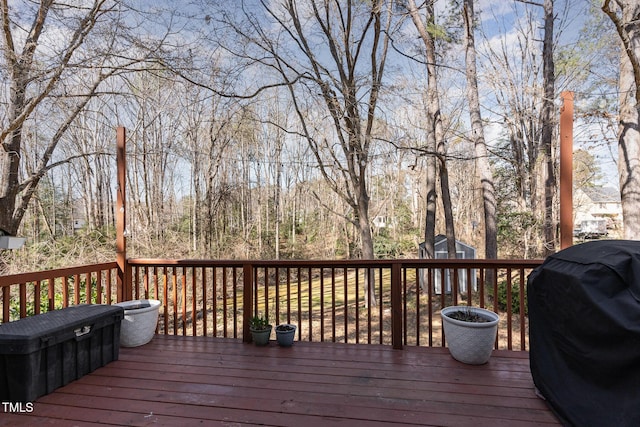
column 183, row 305
column 277, row 297
column 455, row 288
column 266, row 292
column 194, row 300
column 481, row 285
column 310, row 302
column 76, row 289
column 165, row 299
column 225, row 308
column 370, row 280
column 288, row 270
column 235, row 301
column 509, row 310
column 174, row 302
column 396, row 308
column 214, row 300
column 247, row 291
column 36, row 297
column 299, row 283
column 51, row 294
column 88, row 288
column 430, row 289
column 108, row 290
column 381, row 308
column 322, row 331
column 204, row 301
column 23, row 300
column 6, row 304
column 256, row 295
column 405, row 311
column 145, row 281
column 333, row 304
column 345, row 285
column 522, row 325
column 98, row 287
column 65, row 292
column 357, row 301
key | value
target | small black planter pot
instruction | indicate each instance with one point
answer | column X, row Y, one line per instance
column 285, row 334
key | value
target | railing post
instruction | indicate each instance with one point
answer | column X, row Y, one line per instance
column 247, row 301
column 566, row 170
column 124, row 270
column 396, row 306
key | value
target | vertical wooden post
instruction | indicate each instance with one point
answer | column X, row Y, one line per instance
column 124, row 277
column 566, row 170
column 247, row 301
column 396, row 306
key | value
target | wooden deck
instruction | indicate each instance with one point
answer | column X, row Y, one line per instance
column 188, row 381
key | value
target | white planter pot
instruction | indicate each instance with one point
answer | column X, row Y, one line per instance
column 140, row 320
column 470, row 342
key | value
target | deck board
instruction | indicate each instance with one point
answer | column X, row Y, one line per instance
column 187, row 381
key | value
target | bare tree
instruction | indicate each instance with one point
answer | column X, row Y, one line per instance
column 34, row 75
column 57, row 56
column 331, row 56
column 525, row 92
column 483, row 167
column 548, row 124
column 436, row 147
column 624, row 15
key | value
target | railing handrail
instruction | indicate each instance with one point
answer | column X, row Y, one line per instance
column 408, row 262
column 35, row 276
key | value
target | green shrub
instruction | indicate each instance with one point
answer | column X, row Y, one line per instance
column 14, row 305
column 515, row 297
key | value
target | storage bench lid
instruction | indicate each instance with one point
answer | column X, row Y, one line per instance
column 43, row 330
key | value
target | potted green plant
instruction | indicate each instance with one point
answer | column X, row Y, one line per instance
column 470, row 333
column 260, row 330
column 285, row 333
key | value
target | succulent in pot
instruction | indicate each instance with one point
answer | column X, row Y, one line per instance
column 260, row 330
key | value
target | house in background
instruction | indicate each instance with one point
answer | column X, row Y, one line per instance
column 463, row 251
column 382, row 221
column 597, row 213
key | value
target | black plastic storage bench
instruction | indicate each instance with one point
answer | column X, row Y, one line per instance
column 584, row 333
column 43, row 352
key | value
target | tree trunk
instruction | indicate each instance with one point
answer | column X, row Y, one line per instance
column 434, row 123
column 447, row 207
column 624, row 16
column 629, row 151
column 483, row 168
column 547, row 124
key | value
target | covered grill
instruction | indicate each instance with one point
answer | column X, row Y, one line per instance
column 584, row 332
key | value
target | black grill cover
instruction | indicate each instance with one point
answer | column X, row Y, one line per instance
column 584, row 333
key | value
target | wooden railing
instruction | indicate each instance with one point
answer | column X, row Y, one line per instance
column 394, row 302
column 27, row 294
